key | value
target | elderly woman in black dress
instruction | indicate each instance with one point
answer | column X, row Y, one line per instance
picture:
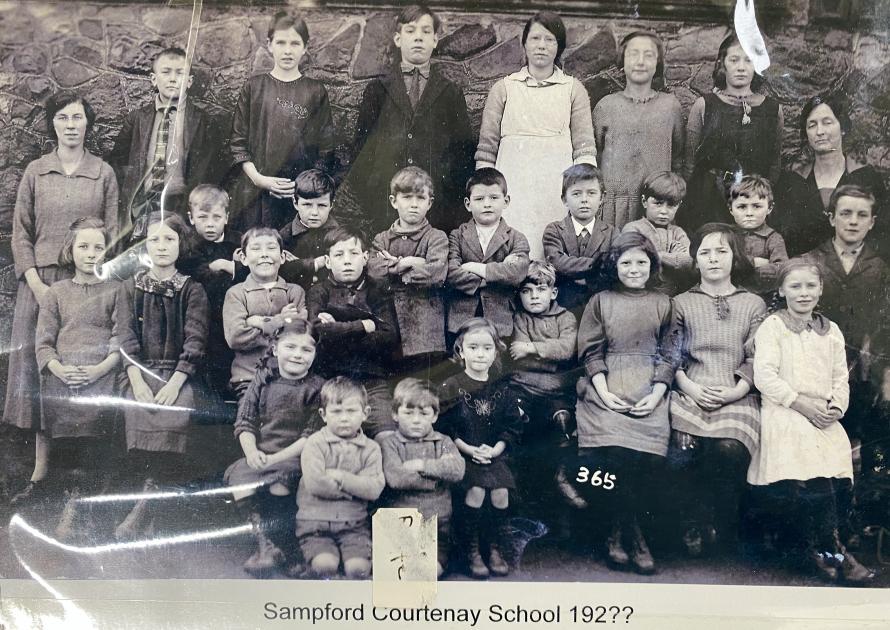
column 802, row 194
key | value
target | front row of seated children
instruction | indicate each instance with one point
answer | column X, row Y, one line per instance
column 160, row 320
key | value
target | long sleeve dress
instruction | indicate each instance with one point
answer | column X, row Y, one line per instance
column 163, row 330
column 722, row 147
column 284, row 128
column 622, row 334
column 77, row 325
column 48, row 201
column 711, row 340
column 532, row 131
column 278, row 411
column 478, row 413
column 793, row 358
column 635, row 139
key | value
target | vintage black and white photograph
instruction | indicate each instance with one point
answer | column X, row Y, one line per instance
column 602, row 286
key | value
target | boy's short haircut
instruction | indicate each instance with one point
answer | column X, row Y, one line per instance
column 312, row 184
column 540, row 272
column 339, row 389
column 751, row 186
column 208, row 196
column 172, row 51
column 413, row 392
column 256, row 232
column 852, row 190
column 664, row 186
column 414, row 12
column 580, row 173
column 411, row 179
column 345, row 233
column 486, row 176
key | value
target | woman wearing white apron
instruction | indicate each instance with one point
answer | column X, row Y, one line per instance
column 536, row 123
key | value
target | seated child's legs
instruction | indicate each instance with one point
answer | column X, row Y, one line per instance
column 380, row 402
column 354, row 539
column 279, row 490
column 319, row 548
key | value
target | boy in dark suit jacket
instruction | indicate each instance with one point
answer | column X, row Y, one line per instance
column 355, row 319
column 577, row 245
column 304, row 237
column 412, row 117
column 855, row 283
column 165, row 146
column 487, row 259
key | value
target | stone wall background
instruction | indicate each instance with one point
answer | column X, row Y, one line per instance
column 104, row 51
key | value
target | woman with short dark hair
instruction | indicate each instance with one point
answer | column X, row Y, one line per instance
column 536, row 123
column 67, row 183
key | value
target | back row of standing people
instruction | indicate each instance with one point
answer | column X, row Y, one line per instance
column 416, row 116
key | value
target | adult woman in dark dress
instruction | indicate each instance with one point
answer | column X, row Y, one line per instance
column 802, row 194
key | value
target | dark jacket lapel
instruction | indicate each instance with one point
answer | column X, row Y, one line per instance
column 395, row 87
column 434, row 86
column 568, row 234
column 499, row 237
column 596, row 239
column 472, row 240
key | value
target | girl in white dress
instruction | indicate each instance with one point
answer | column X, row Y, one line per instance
column 800, row 368
column 537, row 123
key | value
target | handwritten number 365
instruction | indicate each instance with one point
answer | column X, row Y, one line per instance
column 607, row 480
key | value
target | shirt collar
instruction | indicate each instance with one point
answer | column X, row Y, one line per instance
column 360, row 439
column 89, row 166
column 160, row 106
column 398, row 230
column 579, row 227
column 844, row 251
column 763, row 230
column 558, row 77
column 250, row 284
column 408, row 68
column 298, row 227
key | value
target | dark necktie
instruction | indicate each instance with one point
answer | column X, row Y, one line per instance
column 414, row 87
column 583, row 239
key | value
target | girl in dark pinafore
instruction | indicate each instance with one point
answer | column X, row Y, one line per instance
column 732, row 132
column 278, row 412
column 484, row 421
column 163, row 336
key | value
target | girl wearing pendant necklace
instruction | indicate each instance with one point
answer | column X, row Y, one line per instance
column 731, row 132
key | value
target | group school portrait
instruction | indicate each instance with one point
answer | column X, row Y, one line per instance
column 601, row 286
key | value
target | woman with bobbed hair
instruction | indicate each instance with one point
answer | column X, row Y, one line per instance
column 65, row 184
column 802, row 194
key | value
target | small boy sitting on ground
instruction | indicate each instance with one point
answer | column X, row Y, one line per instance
column 342, row 472
column 420, row 464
